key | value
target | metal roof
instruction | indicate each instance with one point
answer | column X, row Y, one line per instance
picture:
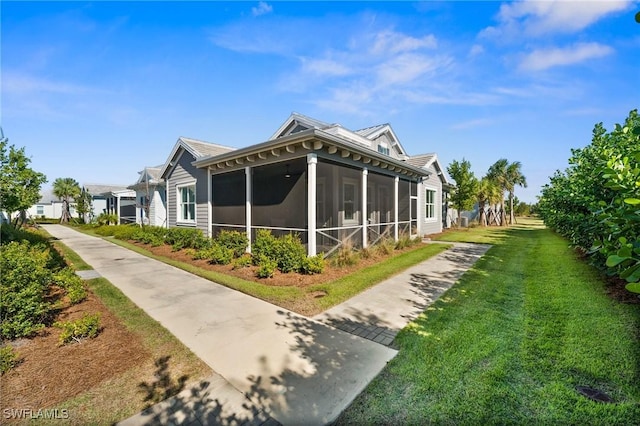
column 99, row 189
column 204, row 149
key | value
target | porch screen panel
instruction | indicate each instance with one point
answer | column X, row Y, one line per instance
column 403, row 201
column 379, row 207
column 326, row 203
column 279, row 195
column 228, row 199
column 338, row 206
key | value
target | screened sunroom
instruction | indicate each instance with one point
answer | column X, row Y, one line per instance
column 329, row 190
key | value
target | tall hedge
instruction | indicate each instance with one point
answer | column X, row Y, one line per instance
column 595, row 202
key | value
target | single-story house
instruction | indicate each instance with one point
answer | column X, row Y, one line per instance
column 150, row 197
column 330, row 185
column 49, row 206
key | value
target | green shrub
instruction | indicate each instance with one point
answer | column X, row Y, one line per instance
column 125, row 232
column 242, row 261
column 201, row 254
column 265, row 245
column 153, row 235
column 107, row 219
column 8, row 358
column 220, row 255
column 105, row 230
column 289, row 253
column 266, row 267
column 234, row 240
column 179, row 238
column 72, row 283
column 25, row 278
column 9, row 233
column 84, row 328
column 313, row 265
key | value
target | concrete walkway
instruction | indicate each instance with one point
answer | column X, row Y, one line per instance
column 272, row 366
column 380, row 312
column 291, row 368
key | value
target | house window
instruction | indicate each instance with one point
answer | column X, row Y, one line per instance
column 187, row 203
column 430, row 204
column 350, row 201
column 40, row 210
column 383, row 148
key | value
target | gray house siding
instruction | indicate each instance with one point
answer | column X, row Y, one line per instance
column 184, row 173
column 431, row 225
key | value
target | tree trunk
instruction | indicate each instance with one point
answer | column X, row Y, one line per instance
column 482, row 216
column 66, row 214
column 511, row 214
column 503, row 214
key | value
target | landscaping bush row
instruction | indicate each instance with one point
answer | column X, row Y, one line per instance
column 32, row 274
column 269, row 253
column 595, row 202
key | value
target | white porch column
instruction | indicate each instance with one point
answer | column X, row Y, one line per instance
column 395, row 207
column 209, row 210
column 247, row 210
column 365, row 220
column 118, row 207
column 312, row 161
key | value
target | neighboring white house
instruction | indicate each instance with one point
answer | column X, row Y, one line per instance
column 151, row 195
column 49, row 206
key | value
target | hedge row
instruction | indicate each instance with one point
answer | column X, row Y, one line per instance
column 595, row 202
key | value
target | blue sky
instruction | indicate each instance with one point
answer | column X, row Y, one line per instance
column 98, row 90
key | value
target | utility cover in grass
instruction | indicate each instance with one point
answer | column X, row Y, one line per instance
column 594, row 394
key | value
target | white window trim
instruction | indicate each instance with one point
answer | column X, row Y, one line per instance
column 179, row 219
column 356, row 202
column 435, row 205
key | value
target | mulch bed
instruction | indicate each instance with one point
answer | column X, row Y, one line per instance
column 49, row 374
column 279, row 279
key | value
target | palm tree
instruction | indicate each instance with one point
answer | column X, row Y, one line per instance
column 514, row 177
column 498, row 175
column 486, row 193
column 65, row 189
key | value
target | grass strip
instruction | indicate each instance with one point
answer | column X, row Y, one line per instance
column 509, row 343
column 337, row 291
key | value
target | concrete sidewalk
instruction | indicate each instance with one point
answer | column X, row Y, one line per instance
column 291, row 368
column 380, row 312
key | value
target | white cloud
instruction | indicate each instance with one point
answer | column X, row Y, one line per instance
column 262, row 9
column 542, row 59
column 408, row 67
column 391, row 42
column 470, row 124
column 476, row 50
column 21, row 83
column 325, row 67
column 535, row 18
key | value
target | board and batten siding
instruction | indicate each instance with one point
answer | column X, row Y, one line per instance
column 431, row 225
column 184, row 173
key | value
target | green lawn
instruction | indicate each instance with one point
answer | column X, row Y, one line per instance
column 510, row 342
